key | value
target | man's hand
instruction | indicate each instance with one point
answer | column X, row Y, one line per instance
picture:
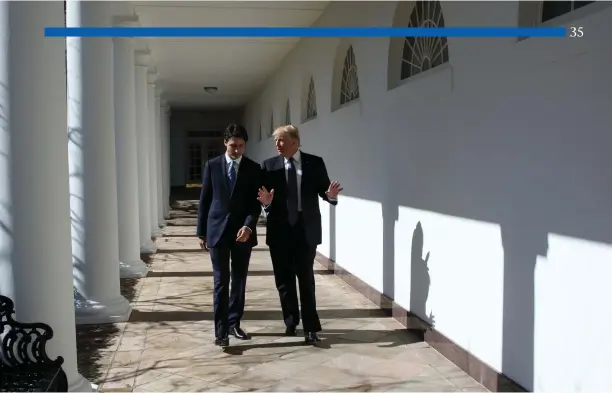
column 243, row 234
column 203, row 243
column 264, row 196
column 333, row 190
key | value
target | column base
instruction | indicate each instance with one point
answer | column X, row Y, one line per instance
column 148, row 248
column 81, row 385
column 90, row 312
column 155, row 233
column 135, row 269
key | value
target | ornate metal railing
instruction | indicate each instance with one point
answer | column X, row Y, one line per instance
column 24, row 363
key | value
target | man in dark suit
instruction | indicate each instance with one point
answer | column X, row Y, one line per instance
column 295, row 180
column 227, row 219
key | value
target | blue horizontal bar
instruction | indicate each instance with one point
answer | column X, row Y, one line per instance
column 113, row 32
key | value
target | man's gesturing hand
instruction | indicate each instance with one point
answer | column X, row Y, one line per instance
column 333, row 190
column 264, row 196
column 243, row 235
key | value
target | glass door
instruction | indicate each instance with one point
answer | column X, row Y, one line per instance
column 194, row 162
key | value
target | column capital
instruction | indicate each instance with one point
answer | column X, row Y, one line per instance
column 152, row 75
column 165, row 106
column 142, row 57
column 158, row 92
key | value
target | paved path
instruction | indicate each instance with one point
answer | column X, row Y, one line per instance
column 167, row 344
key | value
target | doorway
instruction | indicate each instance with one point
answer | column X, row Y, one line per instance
column 201, row 147
column 194, row 162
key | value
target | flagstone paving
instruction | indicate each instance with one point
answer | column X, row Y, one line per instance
column 166, row 346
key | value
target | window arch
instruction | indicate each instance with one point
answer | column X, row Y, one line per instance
column 411, row 56
column 311, row 103
column 553, row 9
column 345, row 80
column 535, row 13
column 349, row 88
column 421, row 54
column 288, row 113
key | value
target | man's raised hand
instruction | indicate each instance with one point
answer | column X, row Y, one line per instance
column 333, row 190
column 265, row 197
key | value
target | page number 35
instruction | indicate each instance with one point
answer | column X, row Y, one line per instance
column 576, row 32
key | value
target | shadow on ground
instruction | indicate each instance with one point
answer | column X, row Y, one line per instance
column 95, row 342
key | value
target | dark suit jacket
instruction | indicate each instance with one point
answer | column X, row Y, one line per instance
column 221, row 211
column 315, row 182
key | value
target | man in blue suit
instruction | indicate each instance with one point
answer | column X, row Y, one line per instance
column 227, row 219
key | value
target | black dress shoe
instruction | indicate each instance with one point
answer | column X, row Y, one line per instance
column 240, row 334
column 222, row 341
column 311, row 338
column 290, row 331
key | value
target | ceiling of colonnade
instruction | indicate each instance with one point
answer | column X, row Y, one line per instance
column 237, row 66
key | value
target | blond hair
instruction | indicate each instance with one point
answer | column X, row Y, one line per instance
column 289, row 130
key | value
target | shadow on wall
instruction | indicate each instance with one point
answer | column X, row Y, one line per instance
column 332, row 232
column 522, row 245
column 420, row 280
column 390, row 214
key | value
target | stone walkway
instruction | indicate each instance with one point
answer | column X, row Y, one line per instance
column 167, row 344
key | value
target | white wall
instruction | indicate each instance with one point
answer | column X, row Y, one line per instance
column 503, row 157
column 184, row 120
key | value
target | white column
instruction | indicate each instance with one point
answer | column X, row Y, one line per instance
column 33, row 99
column 168, row 161
column 127, row 161
column 158, row 153
column 93, row 181
column 165, row 156
column 6, row 220
column 152, row 77
column 147, row 246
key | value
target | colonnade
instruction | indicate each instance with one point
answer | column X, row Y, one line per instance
column 77, row 210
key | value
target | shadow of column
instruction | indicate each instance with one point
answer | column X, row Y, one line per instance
column 332, row 232
column 390, row 212
column 522, row 246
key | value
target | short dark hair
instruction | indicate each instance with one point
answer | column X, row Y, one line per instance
column 235, row 131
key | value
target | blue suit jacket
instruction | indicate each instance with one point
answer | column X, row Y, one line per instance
column 223, row 211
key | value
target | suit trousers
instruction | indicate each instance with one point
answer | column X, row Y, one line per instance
column 230, row 261
column 295, row 257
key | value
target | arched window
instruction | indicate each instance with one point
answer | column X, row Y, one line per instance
column 311, row 101
column 288, row 113
column 537, row 13
column 553, row 9
column 421, row 54
column 349, row 89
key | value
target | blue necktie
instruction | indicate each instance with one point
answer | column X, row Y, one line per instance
column 232, row 175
